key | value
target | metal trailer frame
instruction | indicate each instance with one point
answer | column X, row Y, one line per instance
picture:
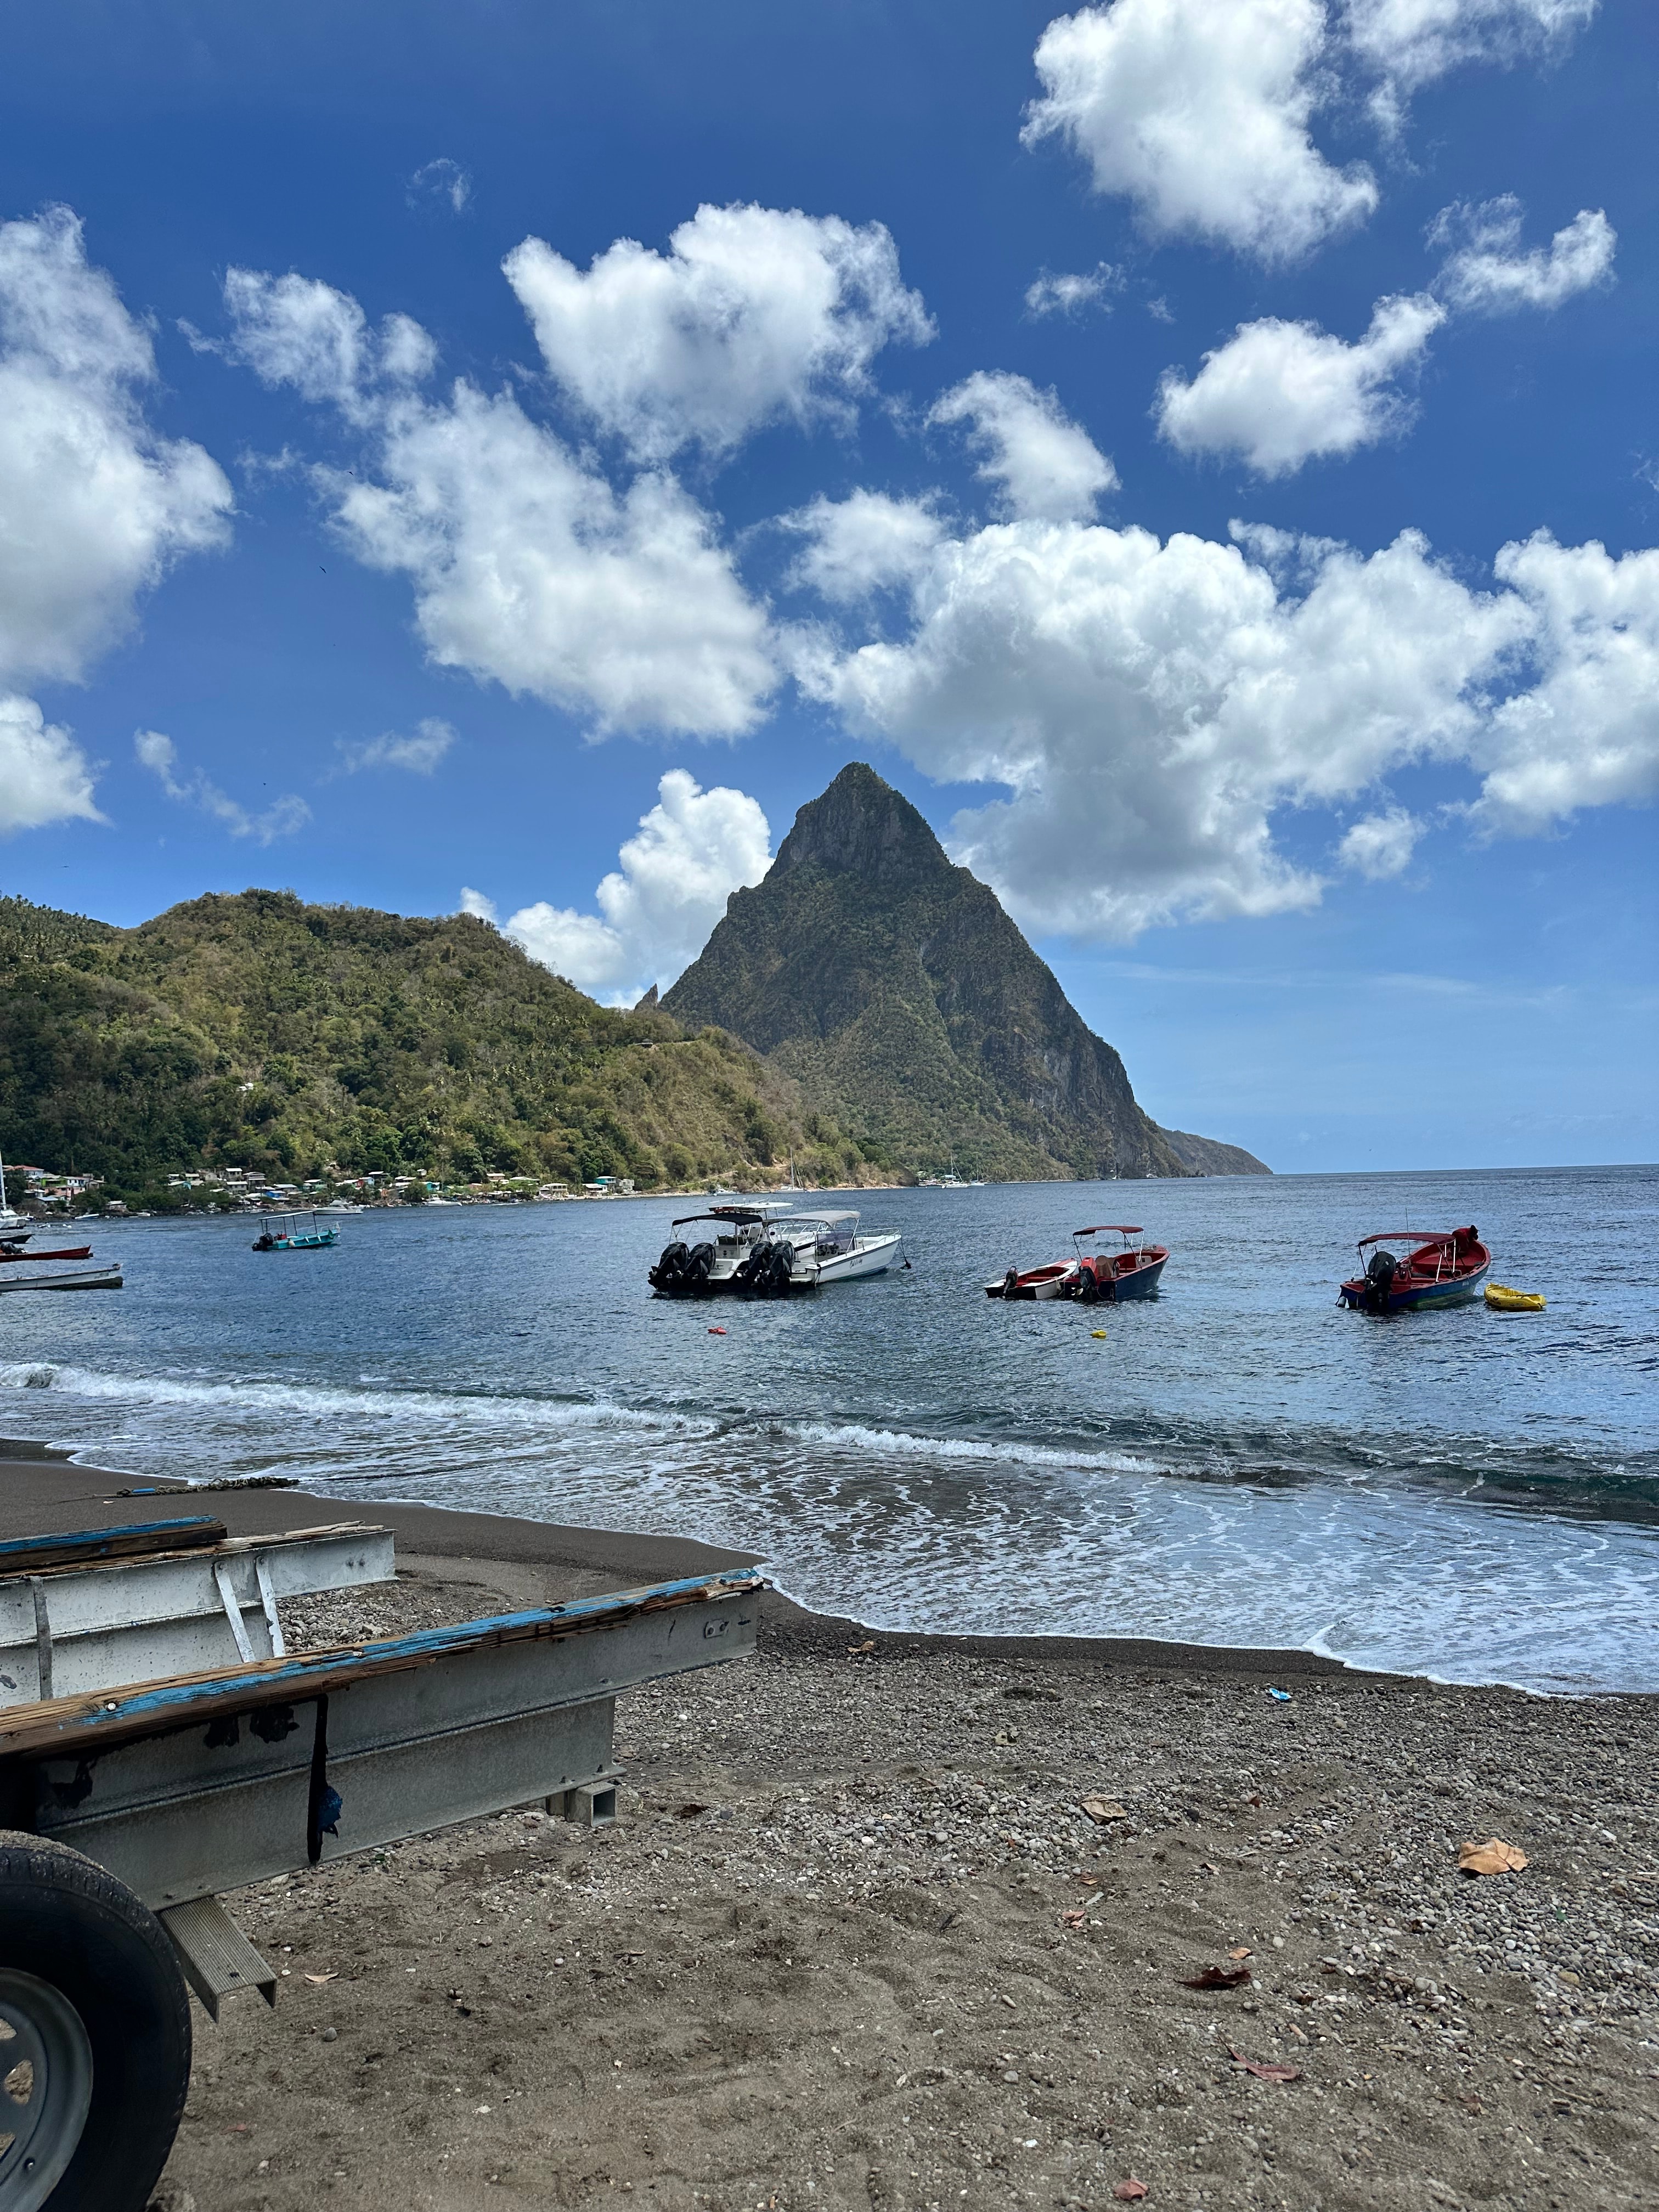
column 193, row 1784
column 90, row 1613
column 182, row 1788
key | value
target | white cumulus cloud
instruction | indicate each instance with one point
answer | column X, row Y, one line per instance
column 1585, row 732
column 1150, row 707
column 692, row 851
column 281, row 818
column 1488, row 272
column 419, row 754
column 861, row 545
column 1409, row 43
column 528, row 567
column 1381, row 846
column 1198, row 111
column 298, row 331
column 94, row 506
column 754, row 315
column 1043, row 463
column 43, row 775
column 1279, row 393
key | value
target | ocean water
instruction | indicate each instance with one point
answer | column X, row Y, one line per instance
column 1241, row 1462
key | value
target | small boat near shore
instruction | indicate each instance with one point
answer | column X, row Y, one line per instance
column 286, row 1232
column 1095, row 1274
column 765, row 1250
column 68, row 1252
column 1444, row 1269
column 86, row 1278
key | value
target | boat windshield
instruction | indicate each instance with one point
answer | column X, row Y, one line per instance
column 829, row 1233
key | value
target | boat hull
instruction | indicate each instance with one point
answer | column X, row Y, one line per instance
column 1039, row 1283
column 1418, row 1297
column 90, row 1279
column 1140, row 1283
column 871, row 1255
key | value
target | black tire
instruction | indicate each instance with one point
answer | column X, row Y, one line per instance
column 66, row 1924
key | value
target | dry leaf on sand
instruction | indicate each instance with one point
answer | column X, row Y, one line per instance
column 1240, row 1951
column 861, row 1650
column 1269, row 2073
column 1130, row 2191
column 1217, row 1978
column 1493, row 1856
column 317, row 1980
column 1103, row 1809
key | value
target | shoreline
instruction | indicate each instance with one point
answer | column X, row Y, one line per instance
column 47, row 1479
column 573, row 1559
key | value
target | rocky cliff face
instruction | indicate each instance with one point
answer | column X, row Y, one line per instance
column 893, row 986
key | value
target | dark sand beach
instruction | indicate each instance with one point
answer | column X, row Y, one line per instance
column 855, row 1942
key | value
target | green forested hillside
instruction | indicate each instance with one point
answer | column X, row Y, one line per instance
column 258, row 1031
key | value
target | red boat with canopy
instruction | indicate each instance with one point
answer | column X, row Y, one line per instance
column 1091, row 1274
column 1445, row 1269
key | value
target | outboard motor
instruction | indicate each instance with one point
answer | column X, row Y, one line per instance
column 1379, row 1280
column 765, row 1273
column 694, row 1276
column 667, row 1276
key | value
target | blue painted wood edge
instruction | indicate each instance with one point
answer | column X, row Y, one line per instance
column 89, row 1540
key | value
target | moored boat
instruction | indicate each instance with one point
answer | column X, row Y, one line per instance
column 828, row 1248
column 766, row 1251
column 1446, row 1269
column 1094, row 1273
column 286, row 1232
column 89, row 1278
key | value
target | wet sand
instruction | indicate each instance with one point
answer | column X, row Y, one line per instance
column 856, row 1941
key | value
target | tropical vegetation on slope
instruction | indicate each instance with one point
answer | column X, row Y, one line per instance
column 254, row 1031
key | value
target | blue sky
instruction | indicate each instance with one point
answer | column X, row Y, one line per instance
column 1111, row 426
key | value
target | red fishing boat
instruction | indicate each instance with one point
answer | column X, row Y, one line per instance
column 1445, row 1269
column 1093, row 1273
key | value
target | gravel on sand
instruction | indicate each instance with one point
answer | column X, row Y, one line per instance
column 855, row 1942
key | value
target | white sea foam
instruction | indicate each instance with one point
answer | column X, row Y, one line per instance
column 257, row 1395
column 899, row 1443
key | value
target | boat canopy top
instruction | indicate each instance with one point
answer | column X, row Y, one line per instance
column 1468, row 1235
column 842, row 1214
column 739, row 1213
column 1112, row 1229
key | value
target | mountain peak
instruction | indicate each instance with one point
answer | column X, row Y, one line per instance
column 860, row 826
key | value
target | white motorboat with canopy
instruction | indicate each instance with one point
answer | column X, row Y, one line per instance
column 829, row 1245
column 764, row 1248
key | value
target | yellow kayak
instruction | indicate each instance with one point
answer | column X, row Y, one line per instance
column 1502, row 1299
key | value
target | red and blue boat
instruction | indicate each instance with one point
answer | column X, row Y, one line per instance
column 1446, row 1269
column 1093, row 1273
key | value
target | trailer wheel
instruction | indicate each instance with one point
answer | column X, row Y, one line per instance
column 94, row 2035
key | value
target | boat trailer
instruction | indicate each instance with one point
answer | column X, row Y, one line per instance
column 128, row 1802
